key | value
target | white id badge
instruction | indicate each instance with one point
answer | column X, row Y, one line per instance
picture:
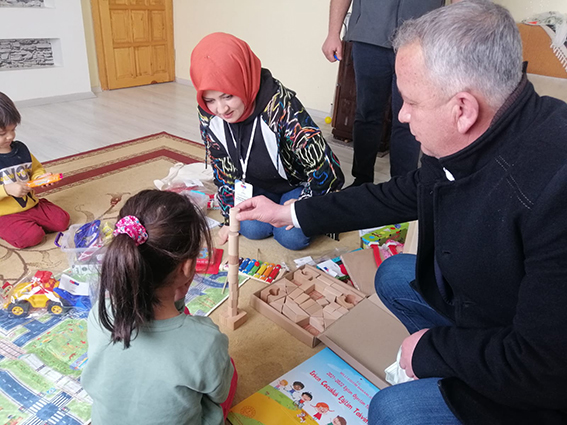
column 242, row 191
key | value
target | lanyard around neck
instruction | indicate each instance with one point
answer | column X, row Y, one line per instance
column 244, row 163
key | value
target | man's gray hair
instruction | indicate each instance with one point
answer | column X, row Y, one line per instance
column 470, row 45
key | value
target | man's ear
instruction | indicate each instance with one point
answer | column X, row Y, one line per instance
column 466, row 111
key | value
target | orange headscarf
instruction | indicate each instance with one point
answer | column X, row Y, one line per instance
column 224, row 63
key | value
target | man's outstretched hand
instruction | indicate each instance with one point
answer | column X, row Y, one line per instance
column 262, row 209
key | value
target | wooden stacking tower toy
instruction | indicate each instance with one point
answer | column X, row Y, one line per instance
column 232, row 317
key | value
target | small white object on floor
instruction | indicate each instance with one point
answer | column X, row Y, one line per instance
column 185, row 174
column 395, row 374
column 304, row 260
column 331, row 268
column 212, row 222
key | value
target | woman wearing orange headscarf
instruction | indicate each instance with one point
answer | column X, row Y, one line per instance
column 259, row 138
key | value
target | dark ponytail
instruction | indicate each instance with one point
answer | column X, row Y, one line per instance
column 177, row 230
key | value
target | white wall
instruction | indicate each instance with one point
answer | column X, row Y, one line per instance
column 70, row 79
column 285, row 35
column 522, row 9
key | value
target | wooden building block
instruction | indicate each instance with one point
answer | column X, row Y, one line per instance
column 296, row 293
column 328, row 309
column 313, row 309
column 317, row 323
column 337, row 291
column 300, row 279
column 308, row 287
column 309, row 272
column 294, row 315
column 306, row 304
column 322, row 302
column 326, row 279
column 328, row 322
column 271, row 291
column 272, row 298
column 301, row 298
column 318, row 314
column 278, row 305
column 343, row 302
column 334, row 306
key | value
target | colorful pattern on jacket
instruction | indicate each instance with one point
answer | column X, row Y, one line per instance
column 301, row 154
column 18, row 166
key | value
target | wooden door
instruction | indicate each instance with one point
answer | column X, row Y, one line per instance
column 134, row 42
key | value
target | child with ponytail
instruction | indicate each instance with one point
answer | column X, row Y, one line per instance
column 148, row 362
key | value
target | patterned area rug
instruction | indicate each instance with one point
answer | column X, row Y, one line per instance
column 96, row 184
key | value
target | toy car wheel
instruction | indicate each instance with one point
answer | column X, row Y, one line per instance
column 55, row 308
column 20, row 308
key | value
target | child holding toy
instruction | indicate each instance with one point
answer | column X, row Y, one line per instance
column 259, row 137
column 24, row 218
column 148, row 362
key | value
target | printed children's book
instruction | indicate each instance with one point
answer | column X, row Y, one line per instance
column 395, row 232
column 322, row 390
column 207, row 292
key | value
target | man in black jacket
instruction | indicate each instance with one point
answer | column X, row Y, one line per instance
column 486, row 301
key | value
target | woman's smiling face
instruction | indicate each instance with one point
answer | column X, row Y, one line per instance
column 226, row 106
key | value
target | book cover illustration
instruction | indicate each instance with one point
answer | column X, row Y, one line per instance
column 206, row 292
column 322, row 390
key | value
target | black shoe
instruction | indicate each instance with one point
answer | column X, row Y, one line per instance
column 357, row 182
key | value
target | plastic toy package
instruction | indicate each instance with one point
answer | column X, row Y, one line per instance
column 84, row 243
column 205, row 201
column 33, row 295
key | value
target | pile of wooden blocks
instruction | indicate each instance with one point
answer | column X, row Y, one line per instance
column 310, row 298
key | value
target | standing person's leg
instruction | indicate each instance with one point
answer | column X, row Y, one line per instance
column 415, row 402
column 292, row 239
column 373, row 69
column 392, row 284
column 404, row 149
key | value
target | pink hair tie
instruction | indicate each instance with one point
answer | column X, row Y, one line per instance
column 131, row 226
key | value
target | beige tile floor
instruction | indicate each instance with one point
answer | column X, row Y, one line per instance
column 61, row 129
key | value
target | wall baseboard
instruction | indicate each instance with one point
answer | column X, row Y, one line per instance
column 315, row 114
column 54, row 99
column 184, row 81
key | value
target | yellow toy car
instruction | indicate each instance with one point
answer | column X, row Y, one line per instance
column 38, row 293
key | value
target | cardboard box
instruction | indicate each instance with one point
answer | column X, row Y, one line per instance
column 367, row 336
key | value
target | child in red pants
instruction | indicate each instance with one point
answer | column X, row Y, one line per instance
column 24, row 219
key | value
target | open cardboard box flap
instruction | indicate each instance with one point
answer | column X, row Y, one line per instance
column 367, row 338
